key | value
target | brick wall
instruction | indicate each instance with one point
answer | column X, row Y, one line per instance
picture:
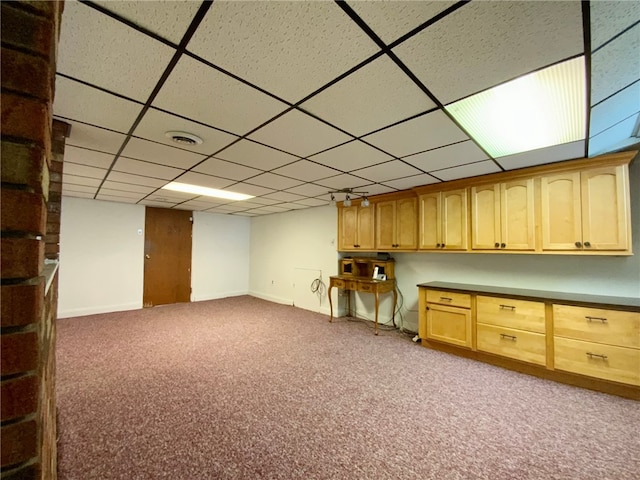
column 30, row 215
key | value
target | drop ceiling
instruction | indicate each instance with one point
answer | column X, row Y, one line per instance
column 296, row 98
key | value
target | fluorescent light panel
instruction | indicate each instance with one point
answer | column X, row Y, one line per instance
column 538, row 110
column 209, row 192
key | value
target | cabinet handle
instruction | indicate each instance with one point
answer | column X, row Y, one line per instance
column 438, row 245
column 497, row 245
column 502, row 245
column 596, row 355
column 442, row 246
column 447, row 299
column 587, row 244
column 510, row 337
column 591, row 319
column 510, row 307
column 578, row 244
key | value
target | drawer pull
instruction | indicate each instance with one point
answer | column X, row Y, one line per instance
column 509, row 307
column 596, row 355
column 510, row 337
column 591, row 319
column 446, row 299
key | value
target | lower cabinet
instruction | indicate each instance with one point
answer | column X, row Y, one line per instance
column 588, row 346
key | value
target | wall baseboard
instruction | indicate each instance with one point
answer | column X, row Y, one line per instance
column 201, row 297
column 80, row 312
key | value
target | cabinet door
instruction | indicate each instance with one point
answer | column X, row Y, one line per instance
column 406, row 234
column 429, row 221
column 605, row 213
column 386, row 225
column 348, row 223
column 454, row 219
column 365, row 227
column 517, row 219
column 449, row 324
column 485, row 217
column 561, row 212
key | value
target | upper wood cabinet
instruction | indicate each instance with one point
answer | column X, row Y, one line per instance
column 356, row 228
column 502, row 216
column 443, row 220
column 396, row 224
column 587, row 210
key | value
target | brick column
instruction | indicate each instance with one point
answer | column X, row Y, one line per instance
column 29, row 47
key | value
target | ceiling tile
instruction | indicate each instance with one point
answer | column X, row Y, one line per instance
column 289, row 48
column 248, row 189
column 84, row 170
column 127, row 187
column 69, row 179
column 343, row 181
column 147, row 169
column 300, row 134
column 87, row 157
column 116, row 198
column 199, row 204
column 610, row 18
column 376, row 189
column 203, row 180
column 256, row 155
column 615, row 109
column 163, row 195
column 70, row 187
column 105, row 52
column 351, row 156
column 423, row 133
column 497, row 41
column 314, row 202
column 72, row 193
column 470, row 170
column 556, row 153
column 158, row 153
column 616, row 65
column 283, row 197
column 271, row 180
column 392, row 19
column 308, row 190
column 614, row 137
column 96, row 138
column 445, row 157
column 76, row 101
column 410, row 182
column 120, row 193
column 306, row 171
column 156, row 203
column 222, row 168
column 264, row 201
column 375, row 96
column 201, row 93
column 155, row 124
column 168, row 19
column 293, row 206
column 135, row 179
column 387, row 171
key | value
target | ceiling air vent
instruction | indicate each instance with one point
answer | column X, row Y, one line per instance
column 184, row 138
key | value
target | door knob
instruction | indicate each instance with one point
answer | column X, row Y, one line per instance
column 147, row 256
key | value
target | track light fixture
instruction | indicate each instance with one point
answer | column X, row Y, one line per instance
column 349, row 195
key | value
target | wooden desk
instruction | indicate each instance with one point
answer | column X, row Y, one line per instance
column 364, row 284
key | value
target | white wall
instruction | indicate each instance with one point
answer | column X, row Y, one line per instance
column 288, row 251
column 281, row 242
column 101, row 257
column 220, row 265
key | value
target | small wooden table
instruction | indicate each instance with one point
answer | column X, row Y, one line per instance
column 364, row 284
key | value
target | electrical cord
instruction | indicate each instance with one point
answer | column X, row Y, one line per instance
column 319, row 288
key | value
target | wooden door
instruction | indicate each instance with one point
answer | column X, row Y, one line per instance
column 406, row 233
column 365, row 228
column 386, row 225
column 454, row 220
column 485, row 217
column 605, row 217
column 517, row 219
column 429, row 221
column 167, row 251
column 348, row 223
column 561, row 211
column 449, row 324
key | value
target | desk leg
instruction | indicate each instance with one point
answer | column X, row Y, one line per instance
column 395, row 302
column 375, row 328
column 348, row 303
column 330, row 304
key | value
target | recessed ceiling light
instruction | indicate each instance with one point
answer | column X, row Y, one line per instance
column 209, row 192
column 538, row 110
column 184, row 138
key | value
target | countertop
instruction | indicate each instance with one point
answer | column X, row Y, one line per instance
column 560, row 297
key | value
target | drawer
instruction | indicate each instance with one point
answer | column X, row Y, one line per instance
column 612, row 327
column 351, row 285
column 452, row 299
column 618, row 364
column 525, row 346
column 506, row 312
column 338, row 282
column 365, row 287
